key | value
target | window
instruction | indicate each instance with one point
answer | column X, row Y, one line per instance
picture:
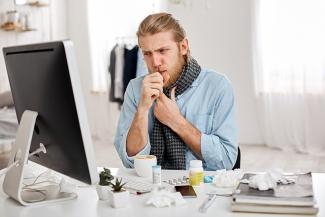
column 289, row 47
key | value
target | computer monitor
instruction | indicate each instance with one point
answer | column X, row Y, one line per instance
column 47, row 94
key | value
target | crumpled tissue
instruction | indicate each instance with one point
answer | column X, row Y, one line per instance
column 163, row 198
column 227, row 179
column 269, row 180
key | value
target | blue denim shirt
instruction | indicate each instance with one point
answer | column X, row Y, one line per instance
column 208, row 104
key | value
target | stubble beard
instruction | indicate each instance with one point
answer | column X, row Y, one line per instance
column 178, row 71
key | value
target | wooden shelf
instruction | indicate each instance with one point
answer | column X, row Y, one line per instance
column 15, row 28
column 8, row 26
column 37, row 4
column 25, row 30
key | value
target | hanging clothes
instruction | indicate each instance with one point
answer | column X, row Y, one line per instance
column 123, row 67
column 111, row 70
column 119, row 72
column 126, row 63
column 116, row 70
column 130, row 65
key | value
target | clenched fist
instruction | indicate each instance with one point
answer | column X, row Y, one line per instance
column 152, row 87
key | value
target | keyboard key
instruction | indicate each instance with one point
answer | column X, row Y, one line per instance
column 137, row 186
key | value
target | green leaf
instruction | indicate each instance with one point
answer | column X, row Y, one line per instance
column 105, row 177
column 118, row 185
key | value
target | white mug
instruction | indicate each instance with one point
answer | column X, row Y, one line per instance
column 143, row 164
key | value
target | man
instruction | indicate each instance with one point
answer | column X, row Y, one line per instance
column 178, row 112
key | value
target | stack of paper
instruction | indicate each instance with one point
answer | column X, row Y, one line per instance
column 297, row 198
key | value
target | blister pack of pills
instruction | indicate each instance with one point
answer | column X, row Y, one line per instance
column 177, row 181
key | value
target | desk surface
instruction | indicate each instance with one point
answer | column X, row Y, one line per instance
column 87, row 203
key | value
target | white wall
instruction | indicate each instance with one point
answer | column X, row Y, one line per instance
column 58, row 19
column 219, row 33
column 78, row 32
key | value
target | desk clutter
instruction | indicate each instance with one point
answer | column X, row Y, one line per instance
column 289, row 193
column 270, row 192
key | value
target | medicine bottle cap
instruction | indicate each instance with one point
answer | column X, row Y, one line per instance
column 195, row 163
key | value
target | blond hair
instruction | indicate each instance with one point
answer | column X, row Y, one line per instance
column 162, row 22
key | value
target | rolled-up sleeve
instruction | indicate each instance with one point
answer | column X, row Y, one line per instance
column 128, row 111
column 219, row 148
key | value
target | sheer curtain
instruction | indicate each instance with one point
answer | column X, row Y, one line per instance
column 289, row 72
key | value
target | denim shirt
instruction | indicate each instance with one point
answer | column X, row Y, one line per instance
column 208, row 104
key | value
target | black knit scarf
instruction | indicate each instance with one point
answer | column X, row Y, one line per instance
column 166, row 145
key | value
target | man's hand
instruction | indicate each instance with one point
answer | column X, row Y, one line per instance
column 167, row 111
column 152, row 88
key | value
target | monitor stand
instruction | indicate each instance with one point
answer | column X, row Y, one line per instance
column 13, row 182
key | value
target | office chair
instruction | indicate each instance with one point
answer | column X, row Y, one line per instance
column 237, row 164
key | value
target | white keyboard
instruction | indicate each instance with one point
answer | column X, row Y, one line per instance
column 137, row 186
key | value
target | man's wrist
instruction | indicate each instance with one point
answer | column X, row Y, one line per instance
column 141, row 111
column 179, row 124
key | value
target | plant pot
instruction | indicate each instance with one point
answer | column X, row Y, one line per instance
column 103, row 191
column 119, row 199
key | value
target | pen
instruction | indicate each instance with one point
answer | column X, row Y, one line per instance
column 207, row 203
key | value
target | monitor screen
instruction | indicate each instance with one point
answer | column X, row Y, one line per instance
column 44, row 78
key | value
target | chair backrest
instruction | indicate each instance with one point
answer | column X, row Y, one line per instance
column 237, row 164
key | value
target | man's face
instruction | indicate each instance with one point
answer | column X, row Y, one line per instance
column 162, row 54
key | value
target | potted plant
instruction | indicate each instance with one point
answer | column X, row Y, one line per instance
column 118, row 197
column 103, row 187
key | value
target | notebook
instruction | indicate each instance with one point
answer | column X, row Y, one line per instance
column 297, row 198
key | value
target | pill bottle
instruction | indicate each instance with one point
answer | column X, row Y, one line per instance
column 156, row 175
column 196, row 173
